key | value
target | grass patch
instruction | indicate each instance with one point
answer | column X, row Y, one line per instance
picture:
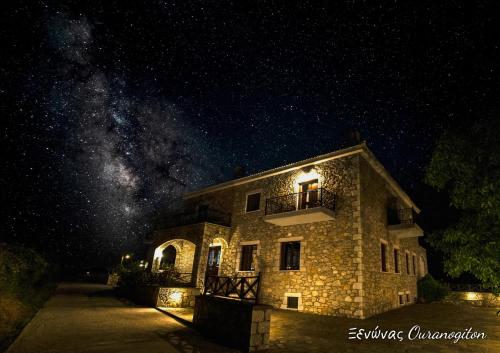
column 26, row 282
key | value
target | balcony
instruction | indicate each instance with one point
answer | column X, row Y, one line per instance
column 301, row 207
column 202, row 214
column 401, row 223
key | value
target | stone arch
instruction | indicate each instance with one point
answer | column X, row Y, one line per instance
column 169, row 256
column 184, row 255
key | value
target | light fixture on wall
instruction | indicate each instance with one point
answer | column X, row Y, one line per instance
column 175, row 297
column 307, row 174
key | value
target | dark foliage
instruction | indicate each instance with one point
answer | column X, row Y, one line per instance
column 430, row 290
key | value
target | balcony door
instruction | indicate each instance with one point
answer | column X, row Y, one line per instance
column 308, row 194
column 213, row 262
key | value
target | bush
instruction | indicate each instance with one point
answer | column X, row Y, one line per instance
column 25, row 284
column 430, row 290
column 129, row 274
column 21, row 269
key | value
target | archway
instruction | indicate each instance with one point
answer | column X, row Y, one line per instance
column 169, row 256
column 176, row 252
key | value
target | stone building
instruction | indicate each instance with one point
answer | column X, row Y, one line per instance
column 332, row 235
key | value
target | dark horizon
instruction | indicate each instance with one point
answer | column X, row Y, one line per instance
column 110, row 111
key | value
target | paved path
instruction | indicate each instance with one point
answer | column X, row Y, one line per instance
column 81, row 318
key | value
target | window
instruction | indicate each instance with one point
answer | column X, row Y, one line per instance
column 408, row 298
column 290, row 255
column 401, row 299
column 383, row 256
column 396, row 260
column 407, row 263
column 253, row 202
column 292, row 302
column 308, row 194
column 248, row 255
column 414, row 262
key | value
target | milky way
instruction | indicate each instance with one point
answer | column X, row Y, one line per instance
column 126, row 155
column 113, row 109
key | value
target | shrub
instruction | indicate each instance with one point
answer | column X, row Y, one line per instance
column 129, row 274
column 430, row 290
column 21, row 269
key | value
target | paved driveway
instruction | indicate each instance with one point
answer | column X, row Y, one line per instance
column 293, row 332
column 83, row 318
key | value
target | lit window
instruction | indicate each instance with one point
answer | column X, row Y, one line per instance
column 248, row 255
column 253, row 202
column 383, row 256
column 290, row 256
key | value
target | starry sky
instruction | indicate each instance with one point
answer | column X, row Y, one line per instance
column 111, row 110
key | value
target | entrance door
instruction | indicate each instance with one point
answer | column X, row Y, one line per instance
column 213, row 261
column 308, row 196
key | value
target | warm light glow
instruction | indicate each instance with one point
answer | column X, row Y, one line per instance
column 175, row 297
column 471, row 296
column 127, row 256
column 307, row 176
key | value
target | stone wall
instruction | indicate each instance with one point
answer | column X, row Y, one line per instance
column 113, row 279
column 340, row 259
column 328, row 279
column 176, row 297
column 238, row 324
column 473, row 298
column 381, row 289
column 143, row 295
column 191, row 243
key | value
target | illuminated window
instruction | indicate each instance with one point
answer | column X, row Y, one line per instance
column 308, row 194
column 290, row 255
column 253, row 202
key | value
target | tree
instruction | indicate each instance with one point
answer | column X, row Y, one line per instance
column 466, row 163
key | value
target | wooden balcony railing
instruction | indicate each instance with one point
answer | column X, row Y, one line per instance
column 243, row 288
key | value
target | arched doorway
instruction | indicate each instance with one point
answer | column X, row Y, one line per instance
column 168, row 257
column 177, row 252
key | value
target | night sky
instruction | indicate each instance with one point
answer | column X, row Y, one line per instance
column 111, row 110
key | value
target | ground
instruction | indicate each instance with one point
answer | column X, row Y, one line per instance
column 84, row 318
column 298, row 332
column 313, row 333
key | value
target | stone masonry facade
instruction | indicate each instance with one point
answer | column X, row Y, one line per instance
column 340, row 270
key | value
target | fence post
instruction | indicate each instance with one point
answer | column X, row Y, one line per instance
column 257, row 294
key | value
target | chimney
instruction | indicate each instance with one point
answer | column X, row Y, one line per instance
column 353, row 138
column 238, row 172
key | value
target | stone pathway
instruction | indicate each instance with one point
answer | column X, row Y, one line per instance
column 83, row 318
column 297, row 332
